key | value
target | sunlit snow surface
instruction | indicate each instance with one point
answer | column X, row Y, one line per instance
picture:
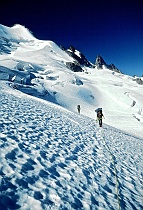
column 51, row 158
column 120, row 96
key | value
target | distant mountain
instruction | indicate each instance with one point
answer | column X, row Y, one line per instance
column 81, row 60
column 10, row 38
column 78, row 56
column 100, row 64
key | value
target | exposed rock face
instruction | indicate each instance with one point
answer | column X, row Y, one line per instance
column 78, row 56
column 113, row 67
column 74, row 66
column 139, row 81
column 63, row 48
column 100, row 63
column 72, row 49
column 81, row 60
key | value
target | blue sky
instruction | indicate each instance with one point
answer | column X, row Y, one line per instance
column 112, row 29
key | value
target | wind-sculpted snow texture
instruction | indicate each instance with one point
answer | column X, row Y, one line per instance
column 51, row 158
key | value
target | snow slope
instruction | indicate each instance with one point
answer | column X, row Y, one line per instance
column 118, row 94
column 16, row 32
column 52, row 158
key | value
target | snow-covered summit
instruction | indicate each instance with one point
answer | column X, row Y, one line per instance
column 16, row 32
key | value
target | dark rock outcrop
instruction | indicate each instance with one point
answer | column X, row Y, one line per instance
column 138, row 80
column 78, row 56
column 99, row 63
column 63, row 48
column 74, row 67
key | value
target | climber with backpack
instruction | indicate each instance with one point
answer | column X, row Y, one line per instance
column 99, row 116
column 78, row 108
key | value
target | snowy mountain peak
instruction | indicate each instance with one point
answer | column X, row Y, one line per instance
column 16, row 32
column 101, row 64
column 78, row 56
